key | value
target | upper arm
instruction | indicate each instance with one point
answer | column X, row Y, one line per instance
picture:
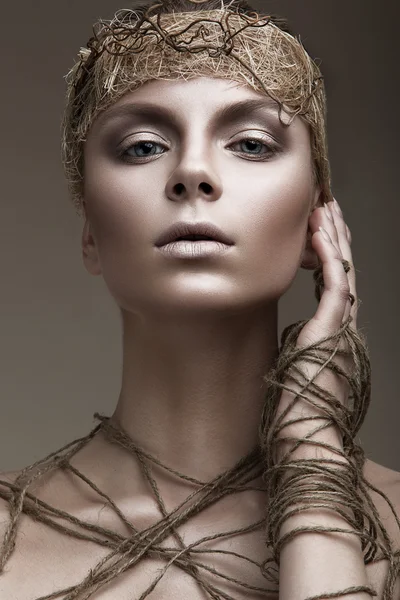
column 386, row 481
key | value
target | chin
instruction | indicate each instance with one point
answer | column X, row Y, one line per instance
column 194, row 303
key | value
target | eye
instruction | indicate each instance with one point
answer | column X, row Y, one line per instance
column 141, row 149
column 252, row 146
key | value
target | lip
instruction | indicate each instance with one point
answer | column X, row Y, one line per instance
column 201, row 228
column 194, row 250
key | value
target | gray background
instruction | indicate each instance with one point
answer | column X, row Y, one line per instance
column 60, row 331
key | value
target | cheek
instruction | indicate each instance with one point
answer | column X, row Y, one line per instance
column 265, row 207
column 276, row 225
column 122, row 209
column 122, row 222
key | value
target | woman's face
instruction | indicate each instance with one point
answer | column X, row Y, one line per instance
column 169, row 152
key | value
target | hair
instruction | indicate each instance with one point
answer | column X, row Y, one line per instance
column 134, row 47
column 268, row 58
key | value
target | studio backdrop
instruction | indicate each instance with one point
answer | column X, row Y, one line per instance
column 60, row 330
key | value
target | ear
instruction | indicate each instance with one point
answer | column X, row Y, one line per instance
column 309, row 258
column 89, row 249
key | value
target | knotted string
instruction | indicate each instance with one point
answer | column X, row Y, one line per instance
column 292, row 486
column 127, row 551
column 150, row 43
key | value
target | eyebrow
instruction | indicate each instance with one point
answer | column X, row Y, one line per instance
column 161, row 114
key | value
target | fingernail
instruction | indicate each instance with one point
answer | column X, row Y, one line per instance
column 325, row 234
column 328, row 212
column 337, row 207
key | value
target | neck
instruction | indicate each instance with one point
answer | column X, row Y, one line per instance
column 192, row 389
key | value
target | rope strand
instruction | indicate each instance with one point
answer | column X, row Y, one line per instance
column 291, row 486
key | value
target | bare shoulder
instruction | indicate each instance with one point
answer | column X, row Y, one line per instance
column 5, row 478
column 386, row 483
column 380, row 472
column 383, row 477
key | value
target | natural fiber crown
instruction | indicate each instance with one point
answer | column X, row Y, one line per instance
column 258, row 52
column 132, row 49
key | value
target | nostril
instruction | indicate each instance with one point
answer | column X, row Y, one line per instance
column 179, row 187
column 206, row 187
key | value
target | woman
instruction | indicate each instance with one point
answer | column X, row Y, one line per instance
column 238, row 156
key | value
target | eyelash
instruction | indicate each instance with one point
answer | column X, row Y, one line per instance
column 272, row 150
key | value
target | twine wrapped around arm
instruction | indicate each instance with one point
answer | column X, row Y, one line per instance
column 334, row 480
column 299, row 485
column 258, row 51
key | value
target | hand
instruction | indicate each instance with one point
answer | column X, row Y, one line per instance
column 334, row 308
column 309, row 498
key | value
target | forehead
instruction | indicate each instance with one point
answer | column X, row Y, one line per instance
column 209, row 88
column 207, row 98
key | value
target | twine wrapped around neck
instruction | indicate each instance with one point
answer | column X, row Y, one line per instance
column 308, row 484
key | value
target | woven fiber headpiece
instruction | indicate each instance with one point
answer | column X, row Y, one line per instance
column 149, row 43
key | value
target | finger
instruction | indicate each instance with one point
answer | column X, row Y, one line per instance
column 345, row 248
column 326, row 217
column 334, row 300
column 330, row 313
column 337, row 232
column 330, row 227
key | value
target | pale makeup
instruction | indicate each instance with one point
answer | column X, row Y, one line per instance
column 197, row 335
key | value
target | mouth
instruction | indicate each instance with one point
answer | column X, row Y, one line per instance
column 194, row 249
column 195, row 238
column 193, row 232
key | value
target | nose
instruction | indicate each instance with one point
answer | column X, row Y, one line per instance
column 188, row 190
column 194, row 178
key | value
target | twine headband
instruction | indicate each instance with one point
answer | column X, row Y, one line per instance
column 136, row 47
column 257, row 52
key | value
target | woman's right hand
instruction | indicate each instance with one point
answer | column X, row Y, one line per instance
column 332, row 246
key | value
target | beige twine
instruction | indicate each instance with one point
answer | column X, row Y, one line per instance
column 130, row 50
column 309, row 484
column 266, row 57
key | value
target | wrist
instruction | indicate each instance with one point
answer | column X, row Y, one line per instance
column 325, row 444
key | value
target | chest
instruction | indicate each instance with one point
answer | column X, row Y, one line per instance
column 26, row 578
column 45, row 562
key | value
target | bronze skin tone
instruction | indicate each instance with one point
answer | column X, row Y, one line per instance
column 198, row 334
